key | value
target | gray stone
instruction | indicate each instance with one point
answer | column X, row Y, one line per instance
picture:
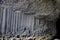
column 29, row 17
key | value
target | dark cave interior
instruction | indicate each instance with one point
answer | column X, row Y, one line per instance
column 57, row 29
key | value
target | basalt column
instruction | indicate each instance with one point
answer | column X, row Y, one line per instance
column 11, row 24
column 1, row 18
column 7, row 21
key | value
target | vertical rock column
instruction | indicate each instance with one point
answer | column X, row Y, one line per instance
column 13, row 22
column 17, row 22
column 3, row 21
column 1, row 18
column 9, row 20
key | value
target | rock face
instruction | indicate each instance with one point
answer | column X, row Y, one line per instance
column 28, row 17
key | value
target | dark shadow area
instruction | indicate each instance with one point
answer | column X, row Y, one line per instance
column 1, row 1
column 57, row 29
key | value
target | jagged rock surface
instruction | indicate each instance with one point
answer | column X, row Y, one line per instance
column 28, row 17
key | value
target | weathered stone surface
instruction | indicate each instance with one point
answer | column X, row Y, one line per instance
column 28, row 18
